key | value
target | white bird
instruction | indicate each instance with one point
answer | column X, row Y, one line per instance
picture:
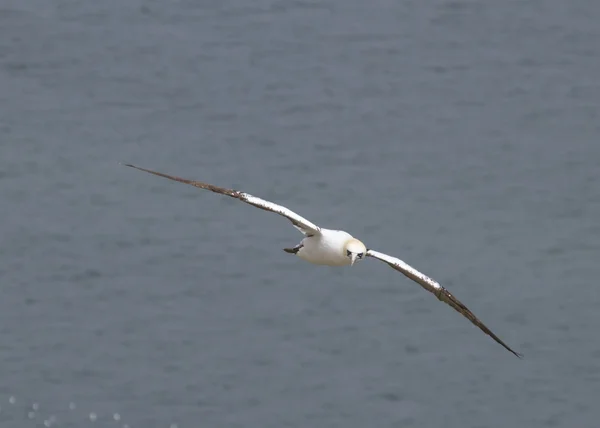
column 338, row 248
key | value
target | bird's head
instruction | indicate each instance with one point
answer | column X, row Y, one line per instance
column 355, row 250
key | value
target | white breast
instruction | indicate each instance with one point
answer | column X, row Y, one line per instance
column 326, row 248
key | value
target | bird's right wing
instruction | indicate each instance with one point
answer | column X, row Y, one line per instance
column 299, row 222
column 436, row 289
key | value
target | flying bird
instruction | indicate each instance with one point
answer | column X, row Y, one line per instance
column 338, row 248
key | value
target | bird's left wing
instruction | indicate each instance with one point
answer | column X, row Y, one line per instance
column 440, row 292
column 299, row 222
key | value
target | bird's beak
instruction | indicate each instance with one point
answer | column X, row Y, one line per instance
column 352, row 258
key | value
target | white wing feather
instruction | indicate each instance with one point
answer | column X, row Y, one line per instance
column 299, row 222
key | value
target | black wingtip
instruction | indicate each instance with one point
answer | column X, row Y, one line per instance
column 517, row 354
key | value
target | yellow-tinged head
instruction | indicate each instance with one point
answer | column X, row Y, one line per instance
column 354, row 250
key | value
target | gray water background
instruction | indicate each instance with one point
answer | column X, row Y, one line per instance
column 461, row 136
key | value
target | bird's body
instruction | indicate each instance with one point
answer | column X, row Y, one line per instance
column 338, row 248
column 327, row 248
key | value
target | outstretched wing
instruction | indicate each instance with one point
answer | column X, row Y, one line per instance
column 440, row 292
column 302, row 224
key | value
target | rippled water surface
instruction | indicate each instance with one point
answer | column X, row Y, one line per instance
column 460, row 136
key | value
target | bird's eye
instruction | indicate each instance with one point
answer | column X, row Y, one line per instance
column 348, row 252
column 360, row 255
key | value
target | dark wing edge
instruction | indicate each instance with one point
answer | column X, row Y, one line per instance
column 223, row 191
column 440, row 292
column 299, row 222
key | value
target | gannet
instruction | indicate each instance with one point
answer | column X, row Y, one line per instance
column 338, row 248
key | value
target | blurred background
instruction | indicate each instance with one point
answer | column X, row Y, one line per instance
column 461, row 136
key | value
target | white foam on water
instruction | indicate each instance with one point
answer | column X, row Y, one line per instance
column 69, row 415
